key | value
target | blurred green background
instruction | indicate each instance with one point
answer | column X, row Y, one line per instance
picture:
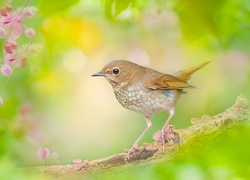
column 54, row 103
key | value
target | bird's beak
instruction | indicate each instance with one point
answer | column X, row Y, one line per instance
column 98, row 74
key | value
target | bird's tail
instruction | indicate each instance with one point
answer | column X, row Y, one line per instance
column 185, row 75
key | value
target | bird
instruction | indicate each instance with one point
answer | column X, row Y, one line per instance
column 146, row 91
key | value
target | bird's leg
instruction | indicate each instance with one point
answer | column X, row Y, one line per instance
column 163, row 130
column 135, row 145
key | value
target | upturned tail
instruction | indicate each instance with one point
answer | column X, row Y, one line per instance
column 185, row 75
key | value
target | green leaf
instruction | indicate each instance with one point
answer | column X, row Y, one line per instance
column 112, row 8
column 48, row 8
column 121, row 6
column 108, row 8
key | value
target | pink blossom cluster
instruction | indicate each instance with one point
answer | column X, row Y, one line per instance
column 43, row 153
column 11, row 28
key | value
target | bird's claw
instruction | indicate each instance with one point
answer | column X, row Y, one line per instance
column 134, row 147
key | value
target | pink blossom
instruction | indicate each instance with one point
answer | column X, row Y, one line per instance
column 10, row 58
column 11, row 28
column 157, row 136
column 1, row 101
column 168, row 134
column 43, row 153
column 6, row 21
column 55, row 158
column 30, row 32
column 77, row 161
column 5, row 10
column 9, row 47
column 28, row 11
column 2, row 32
column 6, row 70
column 20, row 60
column 16, row 26
column 54, row 155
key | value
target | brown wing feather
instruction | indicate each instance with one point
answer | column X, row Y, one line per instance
column 157, row 80
column 165, row 81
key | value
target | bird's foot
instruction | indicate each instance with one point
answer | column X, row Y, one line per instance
column 134, row 147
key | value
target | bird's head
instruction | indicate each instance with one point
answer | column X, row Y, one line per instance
column 121, row 73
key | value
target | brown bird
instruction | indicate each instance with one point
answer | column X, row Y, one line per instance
column 145, row 90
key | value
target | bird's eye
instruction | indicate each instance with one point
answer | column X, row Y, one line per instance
column 116, row 71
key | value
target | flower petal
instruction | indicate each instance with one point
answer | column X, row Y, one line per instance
column 2, row 32
column 6, row 70
column 43, row 153
column 28, row 11
column 77, row 161
column 9, row 47
column 30, row 32
column 16, row 26
column 54, row 155
column 1, row 101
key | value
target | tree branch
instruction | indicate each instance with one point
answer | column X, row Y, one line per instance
column 208, row 127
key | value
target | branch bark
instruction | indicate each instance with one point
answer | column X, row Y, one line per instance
column 207, row 126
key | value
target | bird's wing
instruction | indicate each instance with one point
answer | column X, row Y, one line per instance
column 164, row 81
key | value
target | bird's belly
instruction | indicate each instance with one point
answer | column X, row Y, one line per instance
column 145, row 101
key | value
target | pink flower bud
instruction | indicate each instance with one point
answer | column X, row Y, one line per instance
column 77, row 161
column 2, row 32
column 6, row 70
column 43, row 153
column 54, row 155
column 6, row 21
column 28, row 11
column 30, row 32
column 9, row 47
column 16, row 26
column 5, row 10
column 10, row 59
column 157, row 136
column 1, row 101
